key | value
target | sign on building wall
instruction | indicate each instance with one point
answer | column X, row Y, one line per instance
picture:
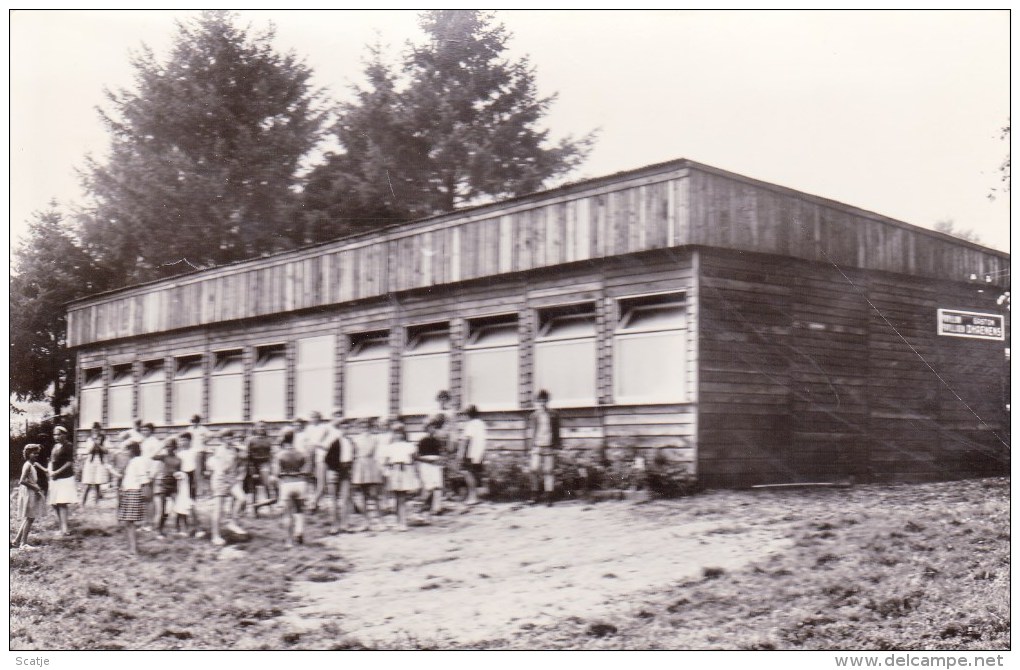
column 975, row 325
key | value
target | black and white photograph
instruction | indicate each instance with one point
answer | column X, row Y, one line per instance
column 465, row 330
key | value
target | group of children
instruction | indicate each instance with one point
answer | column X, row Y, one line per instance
column 361, row 466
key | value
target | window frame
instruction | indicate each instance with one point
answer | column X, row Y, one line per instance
column 260, row 373
column 353, row 361
column 143, row 385
column 422, row 406
column 544, row 317
column 91, row 387
column 300, row 370
column 122, row 378
column 627, row 308
column 474, row 327
column 195, row 372
column 216, row 374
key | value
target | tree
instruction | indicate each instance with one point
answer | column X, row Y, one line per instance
column 205, row 153
column 948, row 226
column 455, row 124
column 50, row 269
column 1004, row 166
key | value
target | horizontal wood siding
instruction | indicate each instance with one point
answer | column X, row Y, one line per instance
column 810, row 372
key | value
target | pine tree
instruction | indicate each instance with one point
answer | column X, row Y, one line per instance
column 205, row 153
column 458, row 123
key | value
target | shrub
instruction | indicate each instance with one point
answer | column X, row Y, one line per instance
column 669, row 477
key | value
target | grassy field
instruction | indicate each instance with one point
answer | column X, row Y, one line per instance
column 872, row 567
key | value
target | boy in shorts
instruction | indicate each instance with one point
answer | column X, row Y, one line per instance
column 227, row 464
column 292, row 470
column 543, row 441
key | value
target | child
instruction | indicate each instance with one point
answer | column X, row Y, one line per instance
column 184, row 504
column 398, row 457
column 316, row 438
column 384, row 432
column 292, row 469
column 430, row 468
column 62, row 491
column 191, row 463
column 131, row 508
column 94, row 472
column 164, row 488
column 260, row 455
column 150, row 446
column 366, row 475
column 31, row 501
column 473, row 452
column 543, row 439
column 227, row 465
column 339, row 464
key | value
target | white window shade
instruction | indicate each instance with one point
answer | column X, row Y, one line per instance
column 491, row 366
column 313, row 383
column 367, row 388
column 226, row 388
column 187, row 389
column 367, row 376
column 650, row 343
column 424, row 369
column 269, row 384
column 566, row 369
column 121, row 396
column 90, row 405
column 491, row 378
column 565, row 357
column 152, row 393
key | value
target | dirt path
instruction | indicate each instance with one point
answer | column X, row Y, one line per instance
column 499, row 568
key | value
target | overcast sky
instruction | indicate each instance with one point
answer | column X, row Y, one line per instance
column 894, row 112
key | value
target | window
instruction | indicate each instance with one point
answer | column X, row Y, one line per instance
column 187, row 389
column 226, row 387
column 313, row 383
column 367, row 375
column 491, row 364
column 90, row 408
column 425, row 368
column 650, row 349
column 152, row 392
column 565, row 361
column 122, row 390
column 269, row 384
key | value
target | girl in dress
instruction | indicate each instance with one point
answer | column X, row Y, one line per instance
column 183, row 505
column 94, row 472
column 366, row 476
column 131, row 508
column 403, row 480
column 62, row 492
column 31, row 501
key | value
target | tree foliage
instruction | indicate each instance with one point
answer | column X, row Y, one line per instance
column 204, row 156
column 50, row 269
column 456, row 122
column 948, row 226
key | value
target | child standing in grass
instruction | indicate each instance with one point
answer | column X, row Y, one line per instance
column 183, row 504
column 94, row 472
column 168, row 464
column 430, row 468
column 227, row 464
column 398, row 457
column 292, row 469
column 31, row 500
column 366, row 476
column 131, row 508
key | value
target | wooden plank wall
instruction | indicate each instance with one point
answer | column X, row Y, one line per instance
column 810, row 373
column 607, row 426
column 643, row 212
column 659, row 207
column 733, row 212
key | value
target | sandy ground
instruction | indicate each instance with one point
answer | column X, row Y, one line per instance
column 482, row 574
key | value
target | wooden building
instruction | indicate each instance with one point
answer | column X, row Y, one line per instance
column 767, row 335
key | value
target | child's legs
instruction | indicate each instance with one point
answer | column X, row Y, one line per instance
column 131, row 537
column 345, row 501
column 22, row 533
column 62, row 513
column 217, row 514
column 401, row 503
column 159, row 507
